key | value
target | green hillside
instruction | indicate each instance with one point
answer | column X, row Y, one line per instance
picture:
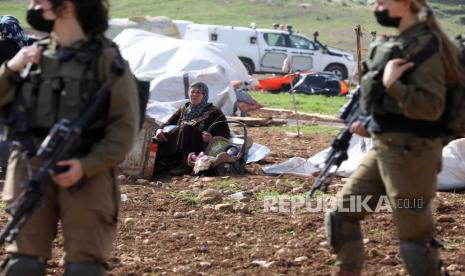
column 333, row 19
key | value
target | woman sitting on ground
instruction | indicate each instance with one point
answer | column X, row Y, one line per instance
column 192, row 121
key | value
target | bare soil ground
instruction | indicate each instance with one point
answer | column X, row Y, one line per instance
column 165, row 230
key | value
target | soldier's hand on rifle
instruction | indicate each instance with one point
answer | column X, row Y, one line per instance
column 394, row 70
column 160, row 136
column 358, row 128
column 71, row 176
column 29, row 54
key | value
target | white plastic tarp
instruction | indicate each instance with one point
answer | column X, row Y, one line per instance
column 151, row 55
column 452, row 175
column 305, row 167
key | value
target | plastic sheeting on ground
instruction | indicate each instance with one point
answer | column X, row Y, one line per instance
column 452, row 175
column 305, row 167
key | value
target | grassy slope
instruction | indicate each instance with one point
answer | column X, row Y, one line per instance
column 334, row 19
column 305, row 103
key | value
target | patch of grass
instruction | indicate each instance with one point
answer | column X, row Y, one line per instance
column 226, row 184
column 305, row 103
column 316, row 129
column 190, row 198
column 266, row 193
column 454, row 243
column 123, row 189
column 2, row 207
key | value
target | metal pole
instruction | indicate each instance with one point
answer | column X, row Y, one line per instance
column 293, row 95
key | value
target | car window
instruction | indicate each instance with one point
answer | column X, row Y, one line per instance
column 301, row 43
column 273, row 39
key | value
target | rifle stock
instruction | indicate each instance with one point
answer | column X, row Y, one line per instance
column 338, row 153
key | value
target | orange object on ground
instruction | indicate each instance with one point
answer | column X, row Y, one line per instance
column 344, row 88
column 273, row 84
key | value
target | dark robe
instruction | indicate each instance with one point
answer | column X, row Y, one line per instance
column 8, row 49
column 188, row 137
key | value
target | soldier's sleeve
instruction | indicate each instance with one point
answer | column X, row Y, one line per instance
column 424, row 97
column 123, row 121
column 7, row 86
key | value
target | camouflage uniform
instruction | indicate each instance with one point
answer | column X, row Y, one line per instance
column 62, row 87
column 405, row 158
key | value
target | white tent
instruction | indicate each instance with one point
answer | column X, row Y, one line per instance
column 164, row 61
column 151, row 55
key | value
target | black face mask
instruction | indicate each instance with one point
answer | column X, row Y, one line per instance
column 384, row 19
column 36, row 19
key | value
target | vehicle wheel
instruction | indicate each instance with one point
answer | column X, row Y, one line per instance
column 339, row 70
column 248, row 65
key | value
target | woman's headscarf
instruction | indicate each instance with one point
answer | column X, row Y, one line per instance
column 10, row 29
column 195, row 111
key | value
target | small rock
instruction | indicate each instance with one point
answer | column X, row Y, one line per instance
column 300, row 259
column 124, row 197
column 146, row 241
column 262, row 263
column 211, row 195
column 388, row 260
column 224, row 207
column 445, row 218
column 122, row 177
column 242, row 208
column 192, row 236
column 365, row 241
column 283, row 254
column 232, row 235
column 179, row 215
column 453, row 267
column 129, row 221
column 205, row 264
column 142, row 181
column 191, row 212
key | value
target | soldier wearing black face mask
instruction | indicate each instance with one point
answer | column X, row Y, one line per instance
column 403, row 97
column 68, row 70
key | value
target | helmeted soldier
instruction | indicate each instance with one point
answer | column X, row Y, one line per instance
column 59, row 77
column 404, row 96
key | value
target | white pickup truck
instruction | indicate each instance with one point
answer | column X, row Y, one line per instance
column 264, row 50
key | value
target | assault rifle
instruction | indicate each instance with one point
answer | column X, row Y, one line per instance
column 59, row 144
column 349, row 113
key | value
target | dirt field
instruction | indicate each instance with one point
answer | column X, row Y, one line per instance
column 165, row 230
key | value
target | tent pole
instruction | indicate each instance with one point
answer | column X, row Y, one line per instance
column 293, row 95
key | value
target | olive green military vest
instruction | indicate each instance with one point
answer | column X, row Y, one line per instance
column 62, row 85
column 374, row 99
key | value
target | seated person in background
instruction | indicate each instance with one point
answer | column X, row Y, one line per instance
column 12, row 37
column 192, row 121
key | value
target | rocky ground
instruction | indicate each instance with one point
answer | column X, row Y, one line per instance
column 195, row 225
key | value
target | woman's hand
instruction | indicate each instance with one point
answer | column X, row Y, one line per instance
column 71, row 176
column 207, row 137
column 160, row 136
column 358, row 128
column 29, row 54
column 394, row 69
